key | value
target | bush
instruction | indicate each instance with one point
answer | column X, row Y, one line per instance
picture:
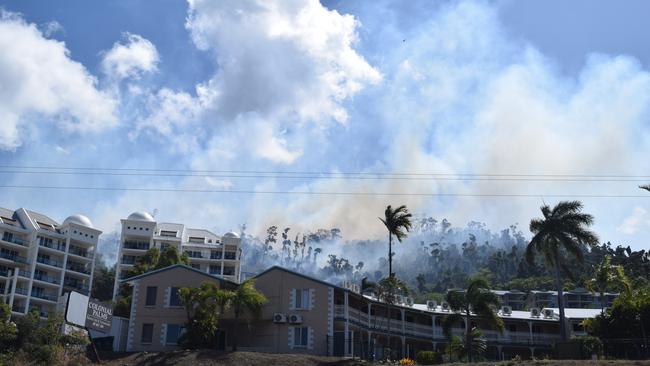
column 589, row 345
column 406, row 361
column 48, row 354
column 428, row 358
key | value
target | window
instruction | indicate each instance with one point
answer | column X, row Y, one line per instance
column 174, row 331
column 174, row 299
column 300, row 336
column 147, row 333
column 195, row 265
column 301, row 299
column 152, row 291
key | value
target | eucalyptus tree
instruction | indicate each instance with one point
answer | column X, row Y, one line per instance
column 561, row 234
column 398, row 223
column 477, row 299
column 607, row 276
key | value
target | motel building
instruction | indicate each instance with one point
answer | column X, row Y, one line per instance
column 310, row 316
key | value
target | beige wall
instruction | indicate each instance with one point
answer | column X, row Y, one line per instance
column 160, row 314
column 277, row 286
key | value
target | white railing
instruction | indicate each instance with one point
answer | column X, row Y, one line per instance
column 423, row 330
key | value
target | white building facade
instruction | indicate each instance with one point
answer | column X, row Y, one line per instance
column 207, row 252
column 41, row 259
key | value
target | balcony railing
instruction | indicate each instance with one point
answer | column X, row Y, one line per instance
column 21, row 291
column 50, row 262
column 215, row 255
column 139, row 245
column 46, row 278
column 229, row 255
column 23, row 273
column 15, row 240
column 18, row 308
column 47, row 244
column 77, row 268
column 44, row 296
column 75, row 285
column 128, row 260
column 195, row 254
column 14, row 257
column 78, row 251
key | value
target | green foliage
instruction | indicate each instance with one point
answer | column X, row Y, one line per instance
column 589, row 345
column 428, row 358
column 8, row 329
column 245, row 299
column 203, row 306
column 608, row 276
column 469, row 348
column 103, row 280
column 398, row 223
column 628, row 318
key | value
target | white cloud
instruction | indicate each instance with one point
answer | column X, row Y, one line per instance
column 130, row 58
column 39, row 83
column 51, row 28
column 638, row 221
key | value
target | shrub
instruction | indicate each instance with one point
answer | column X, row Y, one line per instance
column 428, row 358
column 406, row 361
column 589, row 345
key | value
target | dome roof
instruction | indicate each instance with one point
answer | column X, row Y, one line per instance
column 141, row 216
column 79, row 220
column 231, row 234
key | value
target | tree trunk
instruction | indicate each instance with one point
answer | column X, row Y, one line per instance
column 390, row 255
column 560, row 297
column 235, row 323
column 468, row 340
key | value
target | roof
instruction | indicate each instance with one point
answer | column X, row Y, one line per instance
column 299, row 275
column 37, row 217
column 182, row 266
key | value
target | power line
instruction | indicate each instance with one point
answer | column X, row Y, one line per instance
column 319, row 193
column 226, row 171
column 365, row 176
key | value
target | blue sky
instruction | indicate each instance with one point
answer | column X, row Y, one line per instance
column 480, row 87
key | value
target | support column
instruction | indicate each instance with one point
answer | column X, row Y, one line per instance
column 403, row 345
column 530, row 331
column 433, row 327
column 346, row 348
column 532, row 352
column 499, row 348
column 370, row 350
column 403, row 330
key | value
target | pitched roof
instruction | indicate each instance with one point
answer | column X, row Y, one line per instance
column 182, row 266
column 300, row 275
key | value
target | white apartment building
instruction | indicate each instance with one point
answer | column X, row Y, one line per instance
column 41, row 259
column 207, row 251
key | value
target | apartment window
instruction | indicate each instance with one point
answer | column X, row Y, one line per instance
column 147, row 333
column 152, row 291
column 168, row 233
column 300, row 336
column 301, row 299
column 174, row 331
column 174, row 299
column 215, row 255
column 195, row 265
column 7, row 236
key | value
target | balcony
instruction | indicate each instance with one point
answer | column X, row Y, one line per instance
column 21, row 291
column 78, row 268
column 128, row 260
column 18, row 308
column 49, row 262
column 195, row 255
column 230, row 256
column 51, row 245
column 23, row 273
column 137, row 245
column 215, row 255
column 79, row 252
column 14, row 257
column 46, row 278
column 75, row 285
column 45, row 296
column 12, row 239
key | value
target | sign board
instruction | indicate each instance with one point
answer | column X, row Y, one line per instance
column 99, row 316
column 89, row 313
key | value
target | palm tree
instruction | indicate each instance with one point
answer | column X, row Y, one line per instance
column 245, row 299
column 396, row 222
column 607, row 275
column 562, row 232
column 477, row 299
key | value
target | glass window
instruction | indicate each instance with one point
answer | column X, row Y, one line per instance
column 152, row 291
column 174, row 299
column 147, row 333
column 300, row 336
column 174, row 331
column 302, row 299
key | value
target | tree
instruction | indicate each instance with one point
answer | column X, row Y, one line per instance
column 396, row 221
column 477, row 346
column 245, row 299
column 8, row 330
column 561, row 233
column 203, row 306
column 385, row 291
column 103, row 280
column 606, row 276
column 477, row 299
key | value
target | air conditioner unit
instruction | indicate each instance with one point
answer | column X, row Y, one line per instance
column 279, row 318
column 431, row 304
column 444, row 306
column 409, row 301
column 295, row 319
column 506, row 310
column 534, row 312
column 548, row 313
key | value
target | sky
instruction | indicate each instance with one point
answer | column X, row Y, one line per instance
column 222, row 113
